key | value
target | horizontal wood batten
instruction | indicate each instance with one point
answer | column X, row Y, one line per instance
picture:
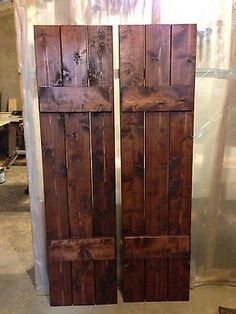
column 165, row 98
column 82, row 249
column 156, row 247
column 75, row 99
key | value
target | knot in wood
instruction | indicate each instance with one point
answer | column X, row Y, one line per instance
column 92, row 76
column 101, row 35
column 77, row 57
column 66, row 75
column 44, row 39
column 155, row 58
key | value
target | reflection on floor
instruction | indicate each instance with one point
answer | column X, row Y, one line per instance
column 17, row 290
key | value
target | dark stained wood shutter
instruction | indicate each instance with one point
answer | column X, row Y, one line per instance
column 157, row 70
column 75, row 86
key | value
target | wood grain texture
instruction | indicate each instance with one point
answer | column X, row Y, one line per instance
column 155, row 247
column 132, row 55
column 156, row 279
column 180, row 175
column 132, row 166
column 157, row 172
column 106, row 282
column 104, row 223
column 48, row 65
column 100, row 55
column 75, row 78
column 56, row 208
column 80, row 204
column 157, row 55
column 83, row 283
column 60, row 283
column 48, row 55
column 79, row 174
column 133, row 214
column 74, row 55
column 178, row 279
column 180, row 182
column 157, row 85
column 78, row 72
column 183, row 54
column 82, row 249
column 71, row 99
column 134, row 280
column 156, row 198
column 103, row 159
column 169, row 98
column 102, row 133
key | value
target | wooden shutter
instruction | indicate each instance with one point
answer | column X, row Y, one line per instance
column 75, row 86
column 157, row 69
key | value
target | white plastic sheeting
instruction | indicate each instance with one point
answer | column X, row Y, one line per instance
column 214, row 175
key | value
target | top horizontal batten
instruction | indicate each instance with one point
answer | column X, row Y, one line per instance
column 75, row 99
column 165, row 98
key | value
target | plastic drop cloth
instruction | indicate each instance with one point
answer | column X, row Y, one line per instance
column 214, row 170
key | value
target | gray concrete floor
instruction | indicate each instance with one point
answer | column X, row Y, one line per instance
column 17, row 291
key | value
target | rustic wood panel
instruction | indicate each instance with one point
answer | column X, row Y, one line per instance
column 79, row 199
column 79, row 174
column 178, row 279
column 157, row 149
column 180, row 183
column 156, row 198
column 56, row 208
column 59, row 274
column 157, row 85
column 48, row 63
column 104, row 224
column 132, row 64
column 102, row 132
column 100, row 55
column 155, row 247
column 48, row 55
column 106, row 282
column 156, row 279
column 157, row 55
column 83, row 283
column 132, row 57
column 76, row 78
column 183, row 54
column 134, row 280
column 157, row 172
column 74, row 61
column 74, row 55
column 52, row 126
column 132, row 163
column 180, row 176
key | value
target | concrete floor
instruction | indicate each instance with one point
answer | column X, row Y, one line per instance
column 17, row 290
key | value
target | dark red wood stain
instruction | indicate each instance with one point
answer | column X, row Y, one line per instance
column 75, row 82
column 132, row 162
column 48, row 63
column 157, row 97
